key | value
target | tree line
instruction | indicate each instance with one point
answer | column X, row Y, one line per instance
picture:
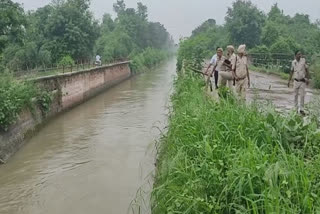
column 66, row 30
column 272, row 33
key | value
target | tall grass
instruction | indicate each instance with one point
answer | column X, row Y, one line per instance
column 227, row 157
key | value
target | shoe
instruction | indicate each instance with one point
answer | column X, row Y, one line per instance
column 302, row 113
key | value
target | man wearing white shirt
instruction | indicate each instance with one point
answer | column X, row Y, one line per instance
column 98, row 60
column 216, row 73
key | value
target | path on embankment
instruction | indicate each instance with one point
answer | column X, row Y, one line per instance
column 272, row 88
column 93, row 158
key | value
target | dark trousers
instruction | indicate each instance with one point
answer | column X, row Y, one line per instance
column 216, row 78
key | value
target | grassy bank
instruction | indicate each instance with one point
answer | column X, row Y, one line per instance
column 230, row 158
column 147, row 59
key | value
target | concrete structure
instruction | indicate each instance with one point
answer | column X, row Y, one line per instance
column 69, row 90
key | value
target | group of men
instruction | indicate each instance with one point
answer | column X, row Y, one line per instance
column 232, row 71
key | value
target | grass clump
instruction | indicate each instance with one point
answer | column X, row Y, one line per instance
column 227, row 157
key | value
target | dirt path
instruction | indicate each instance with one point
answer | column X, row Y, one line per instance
column 271, row 88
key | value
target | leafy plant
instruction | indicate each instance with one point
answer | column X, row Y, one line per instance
column 66, row 61
column 14, row 96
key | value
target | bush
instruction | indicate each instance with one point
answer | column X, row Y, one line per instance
column 66, row 61
column 148, row 59
column 14, row 95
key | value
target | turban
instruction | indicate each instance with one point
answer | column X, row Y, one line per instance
column 220, row 49
column 230, row 47
column 242, row 49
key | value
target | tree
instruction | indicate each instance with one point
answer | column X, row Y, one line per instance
column 142, row 11
column 244, row 23
column 281, row 47
column 119, row 6
column 209, row 24
column 270, row 33
column 108, row 24
column 71, row 30
column 12, row 23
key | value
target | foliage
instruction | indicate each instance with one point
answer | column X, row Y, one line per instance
column 201, row 45
column 315, row 69
column 204, row 27
column 147, row 59
column 12, row 22
column 130, row 32
column 14, row 95
column 44, row 100
column 64, row 27
column 66, row 61
column 270, row 34
column 67, row 28
column 244, row 22
column 227, row 157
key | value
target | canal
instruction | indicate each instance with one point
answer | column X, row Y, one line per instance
column 95, row 157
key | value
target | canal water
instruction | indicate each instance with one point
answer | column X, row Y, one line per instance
column 94, row 158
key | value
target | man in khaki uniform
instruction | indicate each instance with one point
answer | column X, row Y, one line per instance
column 300, row 73
column 241, row 72
column 218, row 66
column 226, row 77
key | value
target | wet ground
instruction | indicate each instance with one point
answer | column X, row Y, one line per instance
column 273, row 89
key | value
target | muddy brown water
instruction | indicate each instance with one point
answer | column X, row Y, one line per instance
column 94, row 158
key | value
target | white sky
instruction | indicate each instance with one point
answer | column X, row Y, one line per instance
column 180, row 17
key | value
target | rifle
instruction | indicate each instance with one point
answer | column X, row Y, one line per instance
column 204, row 74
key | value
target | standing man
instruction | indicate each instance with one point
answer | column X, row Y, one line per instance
column 216, row 74
column 241, row 72
column 226, row 77
column 300, row 73
column 98, row 60
column 217, row 66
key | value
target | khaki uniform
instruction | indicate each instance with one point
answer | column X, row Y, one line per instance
column 299, row 74
column 220, row 67
column 241, row 72
column 226, row 77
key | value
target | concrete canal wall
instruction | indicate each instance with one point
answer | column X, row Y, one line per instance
column 68, row 90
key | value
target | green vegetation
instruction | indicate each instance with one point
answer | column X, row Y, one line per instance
column 230, row 158
column 66, row 31
column 148, row 59
column 16, row 95
column 271, row 38
column 270, row 70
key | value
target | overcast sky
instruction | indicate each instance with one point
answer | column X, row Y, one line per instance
column 180, row 17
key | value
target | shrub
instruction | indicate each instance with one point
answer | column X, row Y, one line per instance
column 66, row 61
column 14, row 95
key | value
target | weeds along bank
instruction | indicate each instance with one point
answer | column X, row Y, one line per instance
column 231, row 158
column 148, row 59
column 16, row 95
